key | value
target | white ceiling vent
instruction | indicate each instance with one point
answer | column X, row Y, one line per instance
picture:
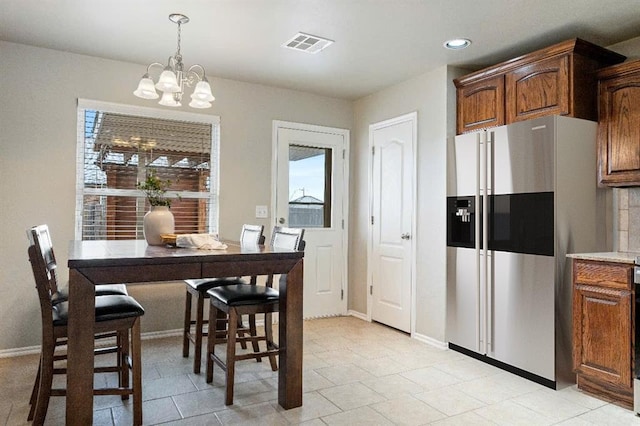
column 307, row 43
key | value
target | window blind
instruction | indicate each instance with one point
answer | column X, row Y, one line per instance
column 118, row 146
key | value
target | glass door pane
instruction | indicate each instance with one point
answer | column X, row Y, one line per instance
column 310, row 186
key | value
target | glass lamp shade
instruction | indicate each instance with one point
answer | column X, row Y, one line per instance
column 168, row 82
column 146, row 89
column 168, row 100
column 202, row 92
column 196, row 103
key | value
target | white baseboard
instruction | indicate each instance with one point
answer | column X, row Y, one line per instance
column 358, row 315
column 160, row 334
column 429, row 341
column 419, row 337
column 30, row 350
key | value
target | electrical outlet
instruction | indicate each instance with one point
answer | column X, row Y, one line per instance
column 262, row 212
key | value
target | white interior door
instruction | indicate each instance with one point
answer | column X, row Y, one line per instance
column 392, row 225
column 311, row 193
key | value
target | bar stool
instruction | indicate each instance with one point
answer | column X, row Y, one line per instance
column 250, row 236
column 240, row 299
column 62, row 294
column 116, row 316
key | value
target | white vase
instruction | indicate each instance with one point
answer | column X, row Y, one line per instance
column 156, row 222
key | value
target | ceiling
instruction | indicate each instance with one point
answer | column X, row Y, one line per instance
column 378, row 43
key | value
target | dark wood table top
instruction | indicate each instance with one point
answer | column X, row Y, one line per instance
column 135, row 252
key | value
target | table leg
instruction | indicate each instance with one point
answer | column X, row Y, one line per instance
column 290, row 327
column 80, row 350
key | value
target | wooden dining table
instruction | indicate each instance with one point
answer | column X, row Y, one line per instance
column 92, row 263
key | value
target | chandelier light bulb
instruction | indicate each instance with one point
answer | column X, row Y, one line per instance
column 168, row 100
column 202, row 92
column 168, row 81
column 199, row 104
column 146, row 89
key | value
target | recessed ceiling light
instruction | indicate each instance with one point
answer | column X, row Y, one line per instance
column 307, row 43
column 457, row 43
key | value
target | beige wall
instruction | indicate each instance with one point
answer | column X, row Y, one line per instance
column 432, row 95
column 629, row 48
column 40, row 89
column 37, row 170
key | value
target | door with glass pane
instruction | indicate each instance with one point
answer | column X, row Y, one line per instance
column 310, row 193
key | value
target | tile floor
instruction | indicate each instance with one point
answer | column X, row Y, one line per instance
column 354, row 373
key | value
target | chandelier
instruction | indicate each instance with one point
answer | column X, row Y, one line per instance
column 174, row 78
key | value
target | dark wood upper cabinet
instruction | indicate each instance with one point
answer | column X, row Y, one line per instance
column 560, row 79
column 538, row 89
column 619, row 125
column 481, row 104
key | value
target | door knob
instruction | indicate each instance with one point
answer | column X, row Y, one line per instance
column 281, row 221
column 405, row 236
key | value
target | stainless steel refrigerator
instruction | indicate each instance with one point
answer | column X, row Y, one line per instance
column 519, row 198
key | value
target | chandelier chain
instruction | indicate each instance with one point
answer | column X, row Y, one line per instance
column 179, row 38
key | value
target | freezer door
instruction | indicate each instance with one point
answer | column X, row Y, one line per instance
column 465, row 319
column 523, row 320
column 463, row 299
column 463, row 165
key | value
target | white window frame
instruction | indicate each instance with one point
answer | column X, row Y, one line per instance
column 214, row 172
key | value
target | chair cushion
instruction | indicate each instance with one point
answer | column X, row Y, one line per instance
column 107, row 308
column 244, row 294
column 204, row 284
column 101, row 290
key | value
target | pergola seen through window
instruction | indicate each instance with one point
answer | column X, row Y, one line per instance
column 117, row 150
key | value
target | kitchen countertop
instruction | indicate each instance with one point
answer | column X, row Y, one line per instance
column 612, row 256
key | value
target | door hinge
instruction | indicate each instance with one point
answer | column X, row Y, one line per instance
column 372, row 220
column 371, row 290
column 341, row 294
column 373, row 150
column 343, row 153
column 342, row 223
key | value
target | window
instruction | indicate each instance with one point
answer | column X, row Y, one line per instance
column 310, row 170
column 118, row 145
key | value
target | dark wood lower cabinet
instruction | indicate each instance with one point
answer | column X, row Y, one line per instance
column 603, row 331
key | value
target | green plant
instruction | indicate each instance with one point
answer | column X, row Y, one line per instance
column 155, row 189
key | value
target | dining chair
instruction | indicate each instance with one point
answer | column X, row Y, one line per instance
column 61, row 294
column 250, row 236
column 116, row 315
column 236, row 300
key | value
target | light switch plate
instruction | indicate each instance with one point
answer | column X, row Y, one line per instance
column 262, row 212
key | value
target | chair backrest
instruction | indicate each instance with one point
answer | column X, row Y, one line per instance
column 251, row 235
column 288, row 238
column 43, row 264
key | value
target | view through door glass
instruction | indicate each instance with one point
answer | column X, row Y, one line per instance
column 309, row 187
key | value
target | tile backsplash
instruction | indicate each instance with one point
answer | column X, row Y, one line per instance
column 627, row 205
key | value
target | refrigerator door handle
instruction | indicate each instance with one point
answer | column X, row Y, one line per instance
column 478, row 247
column 489, row 302
column 487, row 273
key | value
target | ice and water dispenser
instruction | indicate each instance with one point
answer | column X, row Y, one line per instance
column 461, row 222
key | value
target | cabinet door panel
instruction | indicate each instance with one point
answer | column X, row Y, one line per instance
column 602, row 334
column 481, row 105
column 619, row 133
column 541, row 88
